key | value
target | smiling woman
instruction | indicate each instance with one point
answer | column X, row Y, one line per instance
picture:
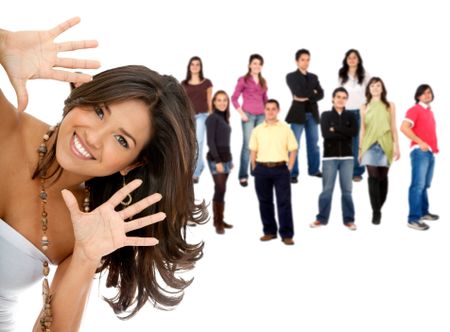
column 126, row 123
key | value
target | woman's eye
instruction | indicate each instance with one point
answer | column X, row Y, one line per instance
column 122, row 141
column 98, row 110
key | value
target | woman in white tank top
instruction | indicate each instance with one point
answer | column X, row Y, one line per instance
column 109, row 155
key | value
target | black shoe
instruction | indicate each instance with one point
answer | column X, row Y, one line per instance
column 318, row 174
column 243, row 182
column 294, row 179
column 376, row 218
column 430, row 216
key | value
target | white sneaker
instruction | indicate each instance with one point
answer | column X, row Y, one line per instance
column 351, row 226
column 419, row 225
column 316, row 224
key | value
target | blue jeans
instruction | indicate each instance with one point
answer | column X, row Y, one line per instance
column 330, row 169
column 312, row 147
column 358, row 170
column 422, row 164
column 266, row 179
column 200, row 130
column 247, row 127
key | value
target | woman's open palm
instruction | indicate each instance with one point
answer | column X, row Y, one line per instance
column 103, row 230
column 33, row 54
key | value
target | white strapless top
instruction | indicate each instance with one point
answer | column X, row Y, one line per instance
column 20, row 267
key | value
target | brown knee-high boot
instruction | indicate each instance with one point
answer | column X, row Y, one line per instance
column 218, row 217
column 221, row 211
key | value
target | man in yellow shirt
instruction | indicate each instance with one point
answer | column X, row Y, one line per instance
column 273, row 149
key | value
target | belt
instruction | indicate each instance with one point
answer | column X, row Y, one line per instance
column 272, row 165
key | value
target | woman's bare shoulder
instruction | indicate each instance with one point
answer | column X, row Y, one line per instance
column 9, row 116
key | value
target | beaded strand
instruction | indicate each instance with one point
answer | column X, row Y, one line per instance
column 46, row 318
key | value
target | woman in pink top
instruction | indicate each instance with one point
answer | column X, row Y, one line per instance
column 253, row 88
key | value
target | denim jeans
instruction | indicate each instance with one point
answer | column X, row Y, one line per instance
column 247, row 127
column 227, row 166
column 422, row 167
column 266, row 179
column 200, row 130
column 312, row 147
column 330, row 169
column 358, row 170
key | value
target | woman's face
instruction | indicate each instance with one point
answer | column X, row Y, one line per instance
column 352, row 60
column 376, row 88
column 221, row 102
column 103, row 140
column 255, row 67
column 195, row 67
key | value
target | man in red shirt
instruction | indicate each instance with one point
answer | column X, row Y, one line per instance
column 419, row 126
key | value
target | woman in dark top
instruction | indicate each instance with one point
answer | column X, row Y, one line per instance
column 199, row 91
column 218, row 132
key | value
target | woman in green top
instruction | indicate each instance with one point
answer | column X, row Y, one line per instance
column 378, row 145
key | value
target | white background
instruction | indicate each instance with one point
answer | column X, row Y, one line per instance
column 379, row 278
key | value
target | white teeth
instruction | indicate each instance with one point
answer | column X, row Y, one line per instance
column 80, row 147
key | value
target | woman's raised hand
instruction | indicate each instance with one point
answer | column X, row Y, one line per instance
column 34, row 54
column 104, row 230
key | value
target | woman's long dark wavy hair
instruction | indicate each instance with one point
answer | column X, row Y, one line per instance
column 188, row 72
column 168, row 161
column 383, row 96
column 262, row 80
column 360, row 71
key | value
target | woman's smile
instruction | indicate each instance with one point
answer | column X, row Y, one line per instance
column 79, row 149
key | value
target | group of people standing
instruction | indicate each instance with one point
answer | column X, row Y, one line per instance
column 110, row 188
column 359, row 132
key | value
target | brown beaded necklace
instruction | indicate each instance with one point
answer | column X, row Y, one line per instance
column 46, row 318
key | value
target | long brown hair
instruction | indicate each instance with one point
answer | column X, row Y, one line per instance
column 360, row 71
column 262, row 80
column 168, row 161
column 189, row 73
column 383, row 92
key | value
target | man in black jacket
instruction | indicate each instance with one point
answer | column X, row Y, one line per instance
column 338, row 128
column 304, row 111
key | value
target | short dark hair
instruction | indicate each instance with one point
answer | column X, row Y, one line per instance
column 421, row 90
column 273, row 101
column 300, row 53
column 340, row 89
